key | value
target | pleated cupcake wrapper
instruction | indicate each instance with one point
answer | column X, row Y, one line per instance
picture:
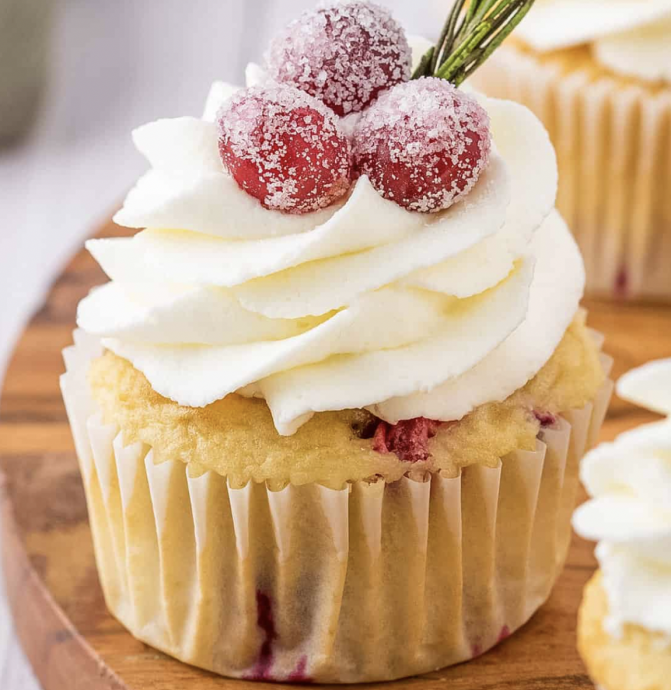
column 613, row 144
column 372, row 582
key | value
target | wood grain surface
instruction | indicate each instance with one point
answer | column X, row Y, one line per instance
column 71, row 639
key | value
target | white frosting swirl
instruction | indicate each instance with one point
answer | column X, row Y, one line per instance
column 363, row 304
column 630, row 37
column 630, row 512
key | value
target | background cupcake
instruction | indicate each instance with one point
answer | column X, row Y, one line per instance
column 598, row 74
column 625, row 619
column 330, row 408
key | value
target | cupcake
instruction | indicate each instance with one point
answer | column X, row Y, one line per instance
column 598, row 74
column 625, row 619
column 330, row 407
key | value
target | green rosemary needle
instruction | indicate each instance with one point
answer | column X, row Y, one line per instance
column 471, row 33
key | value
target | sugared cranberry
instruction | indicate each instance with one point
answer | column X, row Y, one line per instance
column 343, row 53
column 408, row 439
column 285, row 148
column 423, row 144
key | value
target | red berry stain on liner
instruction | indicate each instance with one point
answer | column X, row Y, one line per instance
column 504, row 634
column 621, row 287
column 477, row 649
column 343, row 53
column 408, row 439
column 423, row 144
column 264, row 619
column 298, row 675
column 262, row 670
column 284, row 148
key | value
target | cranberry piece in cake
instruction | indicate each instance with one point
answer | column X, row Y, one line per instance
column 343, row 53
column 285, row 148
column 423, row 144
column 546, row 419
column 408, row 439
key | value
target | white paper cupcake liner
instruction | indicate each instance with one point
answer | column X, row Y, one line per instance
column 373, row 582
column 613, row 143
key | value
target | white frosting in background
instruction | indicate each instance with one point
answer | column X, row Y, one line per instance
column 363, row 304
column 630, row 37
column 419, row 46
column 644, row 52
column 630, row 511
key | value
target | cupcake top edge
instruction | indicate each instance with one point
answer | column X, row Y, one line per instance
column 236, row 437
column 629, row 513
column 632, row 38
column 637, row 660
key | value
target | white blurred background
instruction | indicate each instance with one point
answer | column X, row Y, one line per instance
column 111, row 65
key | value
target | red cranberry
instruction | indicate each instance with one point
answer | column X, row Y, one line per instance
column 423, row 144
column 284, row 148
column 343, row 53
column 545, row 419
column 409, row 438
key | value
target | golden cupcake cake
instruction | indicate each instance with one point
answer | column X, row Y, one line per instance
column 625, row 620
column 330, row 407
column 598, row 74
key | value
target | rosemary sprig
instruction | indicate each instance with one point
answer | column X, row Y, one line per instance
column 471, row 33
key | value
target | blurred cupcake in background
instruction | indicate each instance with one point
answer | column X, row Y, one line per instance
column 625, row 620
column 598, row 74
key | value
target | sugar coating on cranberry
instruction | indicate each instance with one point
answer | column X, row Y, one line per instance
column 423, row 144
column 285, row 148
column 343, row 53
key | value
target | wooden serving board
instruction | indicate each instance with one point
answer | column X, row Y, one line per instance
column 71, row 639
